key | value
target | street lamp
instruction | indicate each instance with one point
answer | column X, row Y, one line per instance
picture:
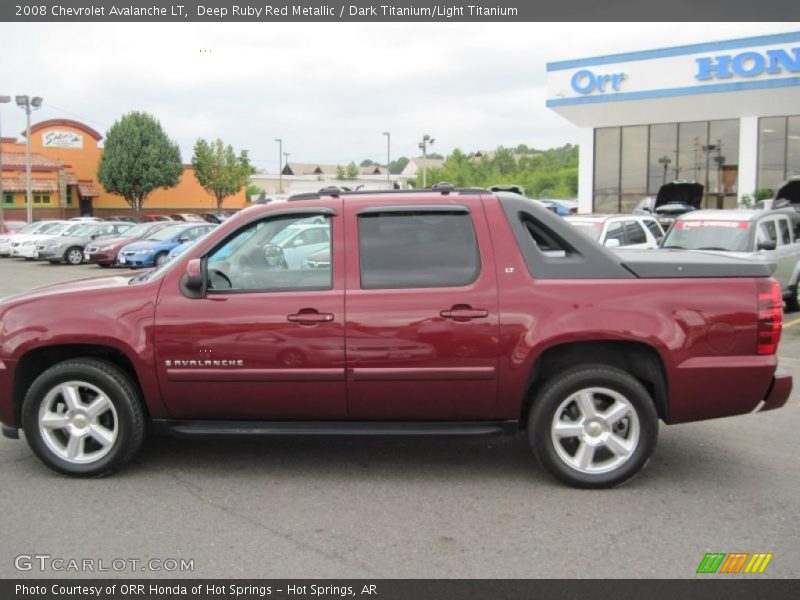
column 426, row 141
column 285, row 160
column 3, row 100
column 664, row 160
column 28, row 104
column 388, row 155
column 280, row 165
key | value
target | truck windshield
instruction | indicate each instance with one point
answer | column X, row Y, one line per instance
column 730, row 236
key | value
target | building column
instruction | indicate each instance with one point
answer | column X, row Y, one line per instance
column 748, row 156
column 585, row 169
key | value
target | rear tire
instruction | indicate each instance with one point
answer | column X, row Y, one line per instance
column 593, row 426
column 793, row 301
column 83, row 417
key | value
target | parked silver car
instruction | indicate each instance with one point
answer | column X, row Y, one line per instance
column 69, row 248
column 771, row 235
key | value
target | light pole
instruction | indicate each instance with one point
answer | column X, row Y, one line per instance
column 28, row 104
column 388, row 155
column 286, row 162
column 664, row 160
column 280, row 165
column 426, row 141
column 3, row 100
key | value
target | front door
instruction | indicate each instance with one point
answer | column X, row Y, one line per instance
column 422, row 312
column 267, row 340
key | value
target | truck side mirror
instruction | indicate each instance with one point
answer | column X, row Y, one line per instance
column 612, row 243
column 193, row 282
column 767, row 245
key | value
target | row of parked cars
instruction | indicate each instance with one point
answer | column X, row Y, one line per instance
column 106, row 243
column 674, row 221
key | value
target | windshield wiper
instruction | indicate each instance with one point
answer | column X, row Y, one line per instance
column 675, row 247
column 714, row 248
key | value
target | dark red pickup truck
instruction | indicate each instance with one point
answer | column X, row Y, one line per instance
column 443, row 312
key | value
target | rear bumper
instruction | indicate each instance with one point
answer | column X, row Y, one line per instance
column 779, row 391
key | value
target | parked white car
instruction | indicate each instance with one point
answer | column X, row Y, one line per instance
column 771, row 235
column 31, row 228
column 27, row 247
column 616, row 231
column 23, row 237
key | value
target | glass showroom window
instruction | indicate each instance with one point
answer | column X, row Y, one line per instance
column 651, row 155
column 778, row 151
column 633, row 169
column 607, row 144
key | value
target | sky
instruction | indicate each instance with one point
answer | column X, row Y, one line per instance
column 328, row 90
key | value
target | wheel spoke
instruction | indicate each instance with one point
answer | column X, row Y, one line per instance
column 617, row 411
column 585, row 401
column 103, row 436
column 98, row 406
column 618, row 445
column 584, row 455
column 53, row 420
column 567, row 429
column 71, row 396
column 75, row 447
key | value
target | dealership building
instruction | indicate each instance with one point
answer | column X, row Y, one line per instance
column 725, row 114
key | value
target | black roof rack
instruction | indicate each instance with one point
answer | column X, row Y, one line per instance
column 444, row 190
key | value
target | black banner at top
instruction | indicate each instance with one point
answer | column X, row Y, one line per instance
column 396, row 10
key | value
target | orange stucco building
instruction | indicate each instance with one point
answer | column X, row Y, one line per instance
column 65, row 155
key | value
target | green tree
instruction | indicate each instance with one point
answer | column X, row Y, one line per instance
column 368, row 163
column 254, row 190
column 352, row 171
column 138, row 158
column 219, row 170
column 396, row 166
column 340, row 172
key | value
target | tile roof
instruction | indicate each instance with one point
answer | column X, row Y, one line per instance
column 17, row 184
column 17, row 160
column 87, row 188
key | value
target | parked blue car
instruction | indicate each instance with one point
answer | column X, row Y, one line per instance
column 563, row 207
column 153, row 251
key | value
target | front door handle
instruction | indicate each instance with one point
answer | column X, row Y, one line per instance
column 464, row 313
column 310, row 317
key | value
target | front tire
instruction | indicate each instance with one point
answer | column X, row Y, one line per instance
column 74, row 256
column 160, row 259
column 593, row 426
column 83, row 417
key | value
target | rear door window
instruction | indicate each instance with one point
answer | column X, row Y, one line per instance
column 655, row 229
column 417, row 250
column 767, row 232
column 634, row 234
column 785, row 234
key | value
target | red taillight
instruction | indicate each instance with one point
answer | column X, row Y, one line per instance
column 573, row 211
column 770, row 316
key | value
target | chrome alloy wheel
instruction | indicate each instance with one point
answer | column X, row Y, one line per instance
column 78, row 422
column 595, row 430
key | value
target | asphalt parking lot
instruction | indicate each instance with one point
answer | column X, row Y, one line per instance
column 411, row 508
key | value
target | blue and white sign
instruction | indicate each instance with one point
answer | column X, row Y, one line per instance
column 769, row 61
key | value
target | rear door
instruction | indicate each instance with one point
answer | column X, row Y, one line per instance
column 422, row 312
column 786, row 252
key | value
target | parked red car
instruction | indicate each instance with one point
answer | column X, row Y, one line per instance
column 439, row 312
column 104, row 252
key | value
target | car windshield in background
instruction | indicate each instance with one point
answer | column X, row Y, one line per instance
column 85, row 230
column 730, row 236
column 590, row 228
column 167, row 233
column 137, row 230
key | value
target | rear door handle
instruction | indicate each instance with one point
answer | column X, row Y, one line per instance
column 310, row 318
column 464, row 314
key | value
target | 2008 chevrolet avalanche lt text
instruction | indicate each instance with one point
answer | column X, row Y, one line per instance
column 440, row 312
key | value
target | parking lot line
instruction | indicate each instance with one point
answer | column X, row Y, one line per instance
column 791, row 323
